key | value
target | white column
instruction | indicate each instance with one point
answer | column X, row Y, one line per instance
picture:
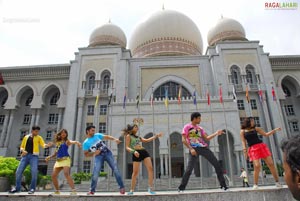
column 167, row 164
column 59, row 123
column 161, row 164
column 37, row 117
column 78, row 133
column 5, row 124
column 244, row 162
column 32, row 122
column 11, row 119
column 237, row 153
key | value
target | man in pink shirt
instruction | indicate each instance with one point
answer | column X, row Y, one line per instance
column 194, row 138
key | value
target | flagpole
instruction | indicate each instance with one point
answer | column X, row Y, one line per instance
column 269, row 127
column 169, row 137
column 260, row 100
column 153, row 144
column 139, row 134
column 276, row 104
column 109, row 120
column 199, row 157
column 182, row 122
column 281, row 119
column 228, row 142
column 124, row 147
column 212, row 129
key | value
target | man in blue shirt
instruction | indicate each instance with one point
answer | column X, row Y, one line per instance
column 94, row 146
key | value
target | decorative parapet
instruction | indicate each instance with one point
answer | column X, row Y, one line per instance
column 285, row 60
column 36, row 72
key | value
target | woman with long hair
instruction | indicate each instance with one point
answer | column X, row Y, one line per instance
column 139, row 154
column 63, row 161
column 257, row 150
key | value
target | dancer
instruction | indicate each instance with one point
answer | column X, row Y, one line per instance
column 244, row 177
column 94, row 146
column 194, row 137
column 257, row 149
column 139, row 154
column 30, row 156
column 291, row 164
column 63, row 161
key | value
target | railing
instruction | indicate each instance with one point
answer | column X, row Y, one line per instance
column 253, row 86
column 88, row 92
column 238, row 87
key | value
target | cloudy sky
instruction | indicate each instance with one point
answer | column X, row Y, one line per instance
column 36, row 32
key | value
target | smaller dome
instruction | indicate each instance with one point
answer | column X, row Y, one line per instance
column 108, row 34
column 226, row 29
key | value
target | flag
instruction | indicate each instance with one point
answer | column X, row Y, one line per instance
column 151, row 100
column 179, row 95
column 221, row 95
column 124, row 100
column 247, row 94
column 194, row 97
column 273, row 94
column 233, row 94
column 97, row 101
column 166, row 98
column 260, row 94
column 110, row 98
column 208, row 98
column 1, row 79
column 137, row 99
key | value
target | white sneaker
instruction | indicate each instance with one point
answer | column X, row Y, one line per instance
column 278, row 185
column 255, row 187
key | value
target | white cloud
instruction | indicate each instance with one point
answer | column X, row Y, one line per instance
column 50, row 31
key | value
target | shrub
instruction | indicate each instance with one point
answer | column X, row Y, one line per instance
column 279, row 168
column 102, row 174
column 8, row 167
column 81, row 176
column 44, row 180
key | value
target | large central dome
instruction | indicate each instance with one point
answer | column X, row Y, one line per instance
column 166, row 32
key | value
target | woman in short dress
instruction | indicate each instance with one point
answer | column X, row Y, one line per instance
column 139, row 154
column 63, row 161
column 257, row 150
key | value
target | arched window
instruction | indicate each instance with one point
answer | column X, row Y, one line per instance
column 91, row 82
column 172, row 88
column 29, row 100
column 4, row 100
column 286, row 91
column 235, row 75
column 106, row 81
column 54, row 98
column 250, row 74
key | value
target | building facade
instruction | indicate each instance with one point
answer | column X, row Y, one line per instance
column 165, row 53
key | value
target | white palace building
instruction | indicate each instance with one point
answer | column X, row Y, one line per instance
column 164, row 52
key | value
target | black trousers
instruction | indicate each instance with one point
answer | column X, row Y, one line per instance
column 208, row 154
column 245, row 182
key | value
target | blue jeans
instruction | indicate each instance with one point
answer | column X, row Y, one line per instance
column 32, row 160
column 99, row 160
